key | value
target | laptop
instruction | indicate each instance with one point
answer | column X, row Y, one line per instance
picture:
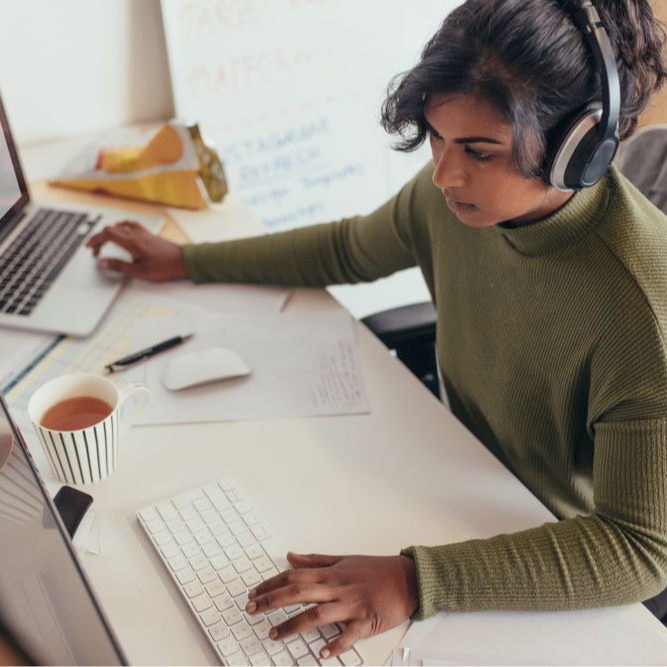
column 49, row 280
column 48, row 612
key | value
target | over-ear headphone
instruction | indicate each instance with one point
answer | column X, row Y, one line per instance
column 584, row 150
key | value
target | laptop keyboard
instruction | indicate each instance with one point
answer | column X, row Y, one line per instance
column 37, row 255
column 216, row 548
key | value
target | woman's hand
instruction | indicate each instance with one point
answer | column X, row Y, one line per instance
column 153, row 258
column 368, row 594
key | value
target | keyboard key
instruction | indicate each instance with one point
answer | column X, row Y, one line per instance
column 177, row 563
column 330, row 662
column 199, row 562
column 269, row 574
column 162, row 538
column 167, row 511
column 210, row 516
column 210, row 617
column 215, row 588
column 148, row 514
column 329, row 631
column 311, row 635
column 272, row 647
column 262, row 564
column 259, row 659
column 251, row 645
column 176, row 525
column 170, row 550
column 237, row 527
column 242, row 507
column 282, row 659
column 251, row 578
column 350, row 658
column 307, row 660
column 190, row 550
column 228, row 574
column 203, row 536
column 201, row 603
column 228, row 647
column 245, row 539
column 234, row 552
column 193, row 589
column 219, row 562
column 262, row 630
column 254, row 551
column 202, row 504
column 196, row 524
column 188, row 513
column 155, row 526
column 185, row 576
column 218, row 632
column 218, row 528
column 211, row 549
column 232, row 616
column 223, row 602
column 241, row 631
column 242, row 564
column 184, row 537
column 259, row 532
column 250, row 519
column 207, row 575
column 277, row 617
column 297, row 648
column 236, row 588
column 238, row 660
column 226, row 540
column 229, row 515
column 252, row 620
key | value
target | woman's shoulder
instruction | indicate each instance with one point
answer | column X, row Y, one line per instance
column 633, row 229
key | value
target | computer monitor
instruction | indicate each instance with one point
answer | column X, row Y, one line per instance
column 46, row 602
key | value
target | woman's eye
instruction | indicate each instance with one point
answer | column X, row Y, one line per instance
column 476, row 155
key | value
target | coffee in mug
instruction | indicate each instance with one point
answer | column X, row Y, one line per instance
column 76, row 413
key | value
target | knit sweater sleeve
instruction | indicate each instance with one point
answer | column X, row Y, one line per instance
column 358, row 249
column 617, row 555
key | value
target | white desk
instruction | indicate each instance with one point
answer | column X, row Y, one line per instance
column 406, row 473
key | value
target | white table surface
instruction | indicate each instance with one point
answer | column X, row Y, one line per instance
column 407, row 473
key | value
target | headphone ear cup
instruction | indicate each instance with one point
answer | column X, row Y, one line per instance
column 578, row 159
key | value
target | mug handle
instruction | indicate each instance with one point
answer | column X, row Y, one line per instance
column 127, row 391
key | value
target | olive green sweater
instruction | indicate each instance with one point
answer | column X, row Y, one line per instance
column 552, row 348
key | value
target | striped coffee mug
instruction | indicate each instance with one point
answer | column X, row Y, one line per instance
column 89, row 454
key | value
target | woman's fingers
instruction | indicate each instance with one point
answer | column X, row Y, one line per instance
column 321, row 614
column 354, row 631
column 122, row 233
column 312, row 560
column 300, row 592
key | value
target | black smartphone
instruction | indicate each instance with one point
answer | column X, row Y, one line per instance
column 72, row 505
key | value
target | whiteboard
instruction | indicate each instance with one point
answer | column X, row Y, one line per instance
column 290, row 92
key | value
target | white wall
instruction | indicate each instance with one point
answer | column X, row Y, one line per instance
column 73, row 66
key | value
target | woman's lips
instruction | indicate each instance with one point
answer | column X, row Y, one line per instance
column 459, row 206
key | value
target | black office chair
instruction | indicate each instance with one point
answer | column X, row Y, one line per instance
column 410, row 330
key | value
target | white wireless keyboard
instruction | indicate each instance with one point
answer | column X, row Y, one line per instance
column 216, row 548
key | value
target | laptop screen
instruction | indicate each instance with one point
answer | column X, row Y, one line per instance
column 13, row 189
column 46, row 603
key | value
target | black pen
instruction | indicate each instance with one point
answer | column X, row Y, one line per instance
column 120, row 364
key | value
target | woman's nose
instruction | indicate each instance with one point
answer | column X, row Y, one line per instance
column 448, row 170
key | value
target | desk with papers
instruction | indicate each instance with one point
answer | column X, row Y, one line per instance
column 406, row 472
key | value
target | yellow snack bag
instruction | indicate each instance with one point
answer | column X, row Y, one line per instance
column 176, row 168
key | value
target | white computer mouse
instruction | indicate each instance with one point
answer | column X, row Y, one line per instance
column 197, row 368
column 111, row 250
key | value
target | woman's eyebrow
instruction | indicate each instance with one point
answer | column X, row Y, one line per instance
column 477, row 140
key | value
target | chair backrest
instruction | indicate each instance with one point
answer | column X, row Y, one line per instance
column 644, row 162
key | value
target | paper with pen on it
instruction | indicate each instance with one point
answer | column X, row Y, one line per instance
column 612, row 636
column 302, row 365
column 21, row 375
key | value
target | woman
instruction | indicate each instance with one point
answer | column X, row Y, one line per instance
column 551, row 308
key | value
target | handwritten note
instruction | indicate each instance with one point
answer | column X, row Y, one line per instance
column 290, row 91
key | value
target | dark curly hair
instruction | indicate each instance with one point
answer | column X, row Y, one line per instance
column 529, row 60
